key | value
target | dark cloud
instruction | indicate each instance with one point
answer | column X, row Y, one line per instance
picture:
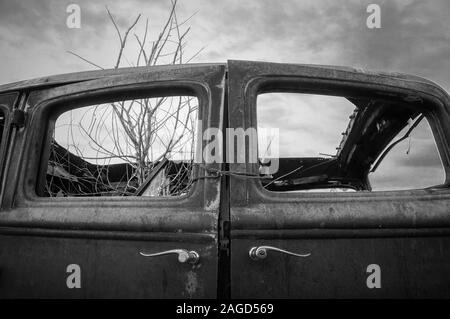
column 26, row 20
column 44, row 22
column 414, row 38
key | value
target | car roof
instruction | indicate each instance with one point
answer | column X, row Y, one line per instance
column 67, row 78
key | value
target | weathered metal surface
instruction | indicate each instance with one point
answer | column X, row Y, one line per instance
column 35, row 267
column 7, row 102
column 62, row 79
column 414, row 267
column 42, row 236
column 343, row 232
column 407, row 233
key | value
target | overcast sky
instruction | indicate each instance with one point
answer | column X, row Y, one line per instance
column 413, row 38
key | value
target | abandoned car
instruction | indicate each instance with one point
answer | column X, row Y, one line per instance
column 110, row 188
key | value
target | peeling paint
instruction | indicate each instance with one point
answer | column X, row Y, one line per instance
column 213, row 204
column 191, row 283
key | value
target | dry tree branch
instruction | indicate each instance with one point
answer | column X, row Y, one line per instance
column 78, row 56
column 138, row 133
column 124, row 39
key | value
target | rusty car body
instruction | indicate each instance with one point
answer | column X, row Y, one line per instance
column 234, row 238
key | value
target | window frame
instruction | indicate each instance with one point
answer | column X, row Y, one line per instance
column 265, row 83
column 7, row 103
column 49, row 110
column 57, row 108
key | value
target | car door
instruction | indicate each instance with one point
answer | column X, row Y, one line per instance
column 91, row 246
column 362, row 244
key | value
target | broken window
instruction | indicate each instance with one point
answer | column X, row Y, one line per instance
column 333, row 143
column 410, row 161
column 136, row 147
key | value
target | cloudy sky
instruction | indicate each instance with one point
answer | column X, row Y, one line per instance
column 413, row 38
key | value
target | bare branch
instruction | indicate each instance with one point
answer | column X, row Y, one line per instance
column 91, row 63
column 138, row 133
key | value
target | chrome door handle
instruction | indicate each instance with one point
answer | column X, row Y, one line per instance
column 257, row 253
column 184, row 256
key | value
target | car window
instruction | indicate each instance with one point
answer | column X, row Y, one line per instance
column 411, row 161
column 334, row 144
column 135, row 147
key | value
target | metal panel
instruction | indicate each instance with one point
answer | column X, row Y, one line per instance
column 320, row 223
column 104, row 236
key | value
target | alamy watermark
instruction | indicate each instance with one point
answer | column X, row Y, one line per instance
column 73, row 20
column 374, row 19
column 241, row 146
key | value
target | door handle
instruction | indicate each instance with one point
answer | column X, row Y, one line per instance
column 260, row 252
column 184, row 256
